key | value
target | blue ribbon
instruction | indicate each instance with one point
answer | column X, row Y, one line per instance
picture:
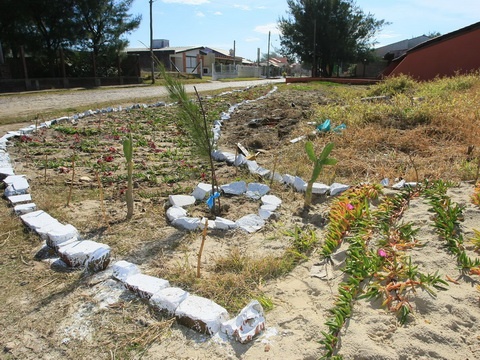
column 212, row 198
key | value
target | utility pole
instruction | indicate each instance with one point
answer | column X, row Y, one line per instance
column 314, row 72
column 151, row 44
column 234, row 53
column 268, row 56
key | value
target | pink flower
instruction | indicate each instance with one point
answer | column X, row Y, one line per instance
column 350, row 207
column 382, row 253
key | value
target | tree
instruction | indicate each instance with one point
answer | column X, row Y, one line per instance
column 54, row 28
column 12, row 23
column 103, row 23
column 325, row 32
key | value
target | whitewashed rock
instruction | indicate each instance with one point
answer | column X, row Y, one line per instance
column 288, row 179
column 27, row 130
column 229, row 157
column 176, row 212
column 218, row 155
column 266, row 211
column 98, row 260
column 5, row 160
column 201, row 314
column 16, row 185
column 19, row 199
column 24, row 208
column 337, row 188
column 256, row 190
column 145, row 285
column 271, row 200
column 86, row 253
column 251, row 223
column 202, row 190
column 224, row 224
column 254, row 168
column 122, row 269
column 181, row 200
column 224, row 116
column 211, row 224
column 168, row 299
column 216, row 134
column 399, row 185
column 186, row 223
column 235, row 188
column 276, row 177
column 240, row 160
column 249, row 323
column 293, row 141
column 40, row 222
column 61, row 234
column 61, row 119
column 299, row 184
column 6, row 171
column 10, row 191
column 319, row 188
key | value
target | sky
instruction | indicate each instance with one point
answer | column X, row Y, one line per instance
column 221, row 24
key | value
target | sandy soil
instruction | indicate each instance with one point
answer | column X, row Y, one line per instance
column 442, row 326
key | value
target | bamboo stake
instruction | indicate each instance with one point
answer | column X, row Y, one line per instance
column 73, row 177
column 204, row 236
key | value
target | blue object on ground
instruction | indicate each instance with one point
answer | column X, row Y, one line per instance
column 339, row 128
column 325, row 127
column 212, row 198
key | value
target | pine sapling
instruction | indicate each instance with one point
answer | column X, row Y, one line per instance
column 318, row 163
column 193, row 118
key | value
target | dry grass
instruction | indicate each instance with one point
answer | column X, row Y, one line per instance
column 424, row 129
column 413, row 139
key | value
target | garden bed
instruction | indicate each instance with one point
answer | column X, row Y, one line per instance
column 236, row 265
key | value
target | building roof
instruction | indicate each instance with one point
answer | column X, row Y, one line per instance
column 174, row 49
column 441, row 38
column 400, row 47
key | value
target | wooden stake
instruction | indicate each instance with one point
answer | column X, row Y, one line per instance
column 73, row 177
column 45, row 170
column 204, row 236
column 102, row 205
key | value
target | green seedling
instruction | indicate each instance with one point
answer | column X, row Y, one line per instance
column 318, row 164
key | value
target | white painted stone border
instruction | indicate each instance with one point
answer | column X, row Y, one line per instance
column 202, row 314
column 178, row 214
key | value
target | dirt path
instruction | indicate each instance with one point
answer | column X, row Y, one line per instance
column 26, row 105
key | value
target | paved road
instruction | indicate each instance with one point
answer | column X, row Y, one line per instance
column 25, row 106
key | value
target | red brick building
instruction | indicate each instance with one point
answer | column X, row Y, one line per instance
column 458, row 51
